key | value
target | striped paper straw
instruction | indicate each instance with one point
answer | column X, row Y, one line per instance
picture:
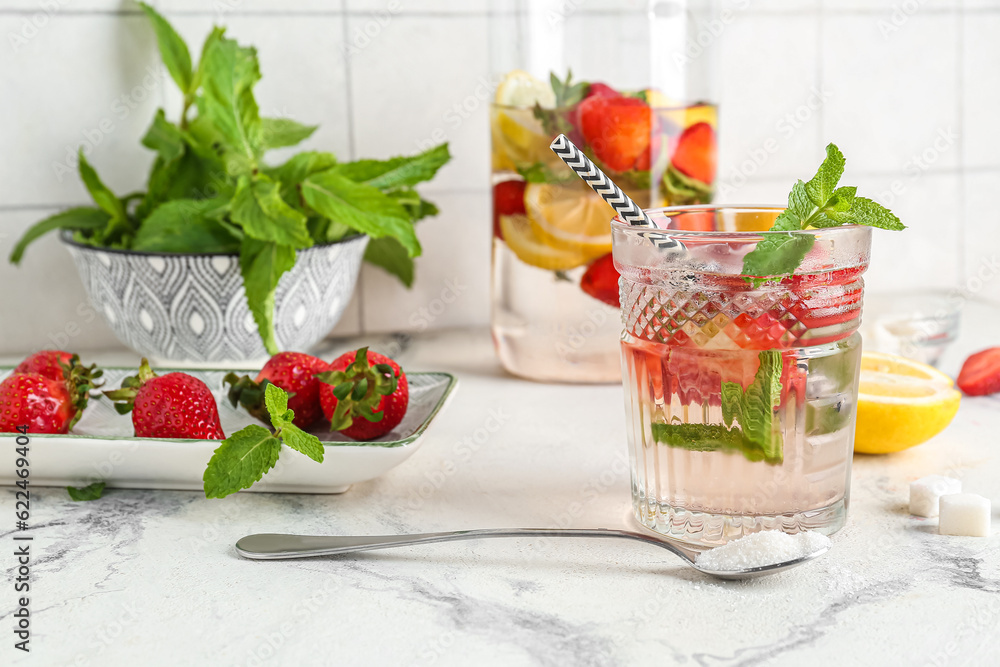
column 629, row 211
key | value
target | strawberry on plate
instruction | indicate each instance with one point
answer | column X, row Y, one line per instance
column 49, row 363
column 508, row 199
column 694, row 153
column 617, row 129
column 47, row 392
column 175, row 405
column 364, row 395
column 980, row 373
column 295, row 372
column 601, row 281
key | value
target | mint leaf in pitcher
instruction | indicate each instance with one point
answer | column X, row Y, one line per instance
column 818, row 203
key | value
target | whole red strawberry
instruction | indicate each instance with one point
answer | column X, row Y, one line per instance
column 47, row 392
column 617, row 129
column 695, row 152
column 295, row 372
column 364, row 395
column 980, row 373
column 508, row 199
column 174, row 405
column 601, row 281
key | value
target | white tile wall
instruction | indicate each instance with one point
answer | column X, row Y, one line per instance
column 884, row 84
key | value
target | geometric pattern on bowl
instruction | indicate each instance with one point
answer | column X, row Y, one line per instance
column 192, row 307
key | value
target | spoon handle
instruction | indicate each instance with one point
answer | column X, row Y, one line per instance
column 275, row 545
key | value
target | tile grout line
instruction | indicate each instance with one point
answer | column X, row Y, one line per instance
column 348, row 89
column 963, row 221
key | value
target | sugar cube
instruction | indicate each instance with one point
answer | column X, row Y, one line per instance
column 924, row 493
column 965, row 514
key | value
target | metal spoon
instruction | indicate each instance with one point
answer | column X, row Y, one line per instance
column 270, row 546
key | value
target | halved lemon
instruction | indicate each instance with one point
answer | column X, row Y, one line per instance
column 518, row 137
column 570, row 216
column 901, row 403
column 520, row 237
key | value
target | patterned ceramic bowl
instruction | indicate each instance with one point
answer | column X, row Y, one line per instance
column 192, row 309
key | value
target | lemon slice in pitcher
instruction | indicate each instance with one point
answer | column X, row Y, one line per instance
column 520, row 237
column 901, row 403
column 570, row 216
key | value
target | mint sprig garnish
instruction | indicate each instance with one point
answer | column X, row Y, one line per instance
column 750, row 427
column 243, row 458
column 817, row 203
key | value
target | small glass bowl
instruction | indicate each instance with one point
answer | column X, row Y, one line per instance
column 918, row 325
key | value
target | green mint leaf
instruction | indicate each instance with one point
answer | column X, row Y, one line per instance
column 229, row 73
column 99, row 192
column 282, row 132
column 776, row 255
column 567, row 93
column 187, row 225
column 800, row 203
column 84, row 218
column 388, row 254
column 841, row 199
column 262, row 264
column 173, row 50
column 164, row 137
column 753, row 407
column 89, row 492
column 303, row 442
column 199, row 74
column 821, row 187
column 682, row 190
column 258, row 208
column 418, row 207
column 301, row 166
column 240, row 461
column 276, row 402
column 398, row 171
column 361, row 207
column 867, row 212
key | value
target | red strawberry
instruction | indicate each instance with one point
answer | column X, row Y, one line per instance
column 601, row 281
column 42, row 404
column 174, row 405
column 617, row 129
column 508, row 199
column 695, row 152
column 48, row 363
column 364, row 395
column 981, row 373
column 295, row 372
column 598, row 89
column 47, row 392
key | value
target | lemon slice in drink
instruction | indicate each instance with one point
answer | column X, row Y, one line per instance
column 518, row 137
column 901, row 403
column 570, row 216
column 520, row 89
column 521, row 239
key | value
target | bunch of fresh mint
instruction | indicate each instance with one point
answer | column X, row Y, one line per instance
column 210, row 191
column 815, row 204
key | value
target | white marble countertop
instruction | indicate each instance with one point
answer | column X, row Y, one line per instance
column 151, row 577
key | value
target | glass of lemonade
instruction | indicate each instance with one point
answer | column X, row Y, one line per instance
column 634, row 87
column 740, row 397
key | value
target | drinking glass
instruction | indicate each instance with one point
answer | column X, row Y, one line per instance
column 740, row 395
